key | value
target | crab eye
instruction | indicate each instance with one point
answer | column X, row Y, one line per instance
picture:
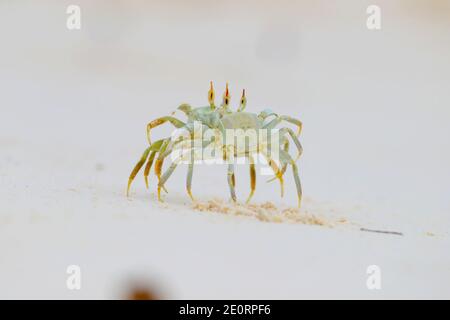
column 243, row 101
column 211, row 95
column 226, row 96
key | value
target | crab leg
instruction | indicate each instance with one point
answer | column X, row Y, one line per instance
column 266, row 113
column 157, row 122
column 174, row 164
column 137, row 167
column 148, row 167
column 288, row 159
column 295, row 139
column 190, row 168
column 286, row 148
column 272, row 124
column 159, row 164
column 166, row 176
column 252, row 178
column 154, row 148
column 284, row 167
column 276, row 171
column 231, row 181
column 189, row 179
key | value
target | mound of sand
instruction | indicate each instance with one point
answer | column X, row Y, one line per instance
column 267, row 212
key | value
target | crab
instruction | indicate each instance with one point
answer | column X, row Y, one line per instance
column 222, row 120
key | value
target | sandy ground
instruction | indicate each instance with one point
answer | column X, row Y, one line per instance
column 74, row 105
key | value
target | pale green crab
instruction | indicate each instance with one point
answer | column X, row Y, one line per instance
column 222, row 119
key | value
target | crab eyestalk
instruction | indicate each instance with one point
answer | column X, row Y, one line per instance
column 211, row 96
column 226, row 98
column 243, row 102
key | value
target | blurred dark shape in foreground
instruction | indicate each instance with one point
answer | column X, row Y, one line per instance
column 141, row 288
column 142, row 293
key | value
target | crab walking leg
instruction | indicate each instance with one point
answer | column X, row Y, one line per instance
column 284, row 167
column 137, row 168
column 263, row 115
column 154, row 148
column 157, row 122
column 159, row 164
column 295, row 139
column 252, row 178
column 286, row 157
column 278, row 174
column 189, row 176
column 190, row 166
column 166, row 175
column 272, row 124
column 276, row 171
column 286, row 148
column 171, row 146
column 231, row 181
column 148, row 167
column 191, row 162
column 174, row 164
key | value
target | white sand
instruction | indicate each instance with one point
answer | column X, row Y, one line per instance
column 375, row 109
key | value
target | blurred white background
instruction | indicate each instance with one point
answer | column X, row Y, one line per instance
column 75, row 103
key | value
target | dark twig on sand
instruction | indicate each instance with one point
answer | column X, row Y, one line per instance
column 382, row 231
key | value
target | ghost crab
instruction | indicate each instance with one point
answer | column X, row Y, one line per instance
column 223, row 120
